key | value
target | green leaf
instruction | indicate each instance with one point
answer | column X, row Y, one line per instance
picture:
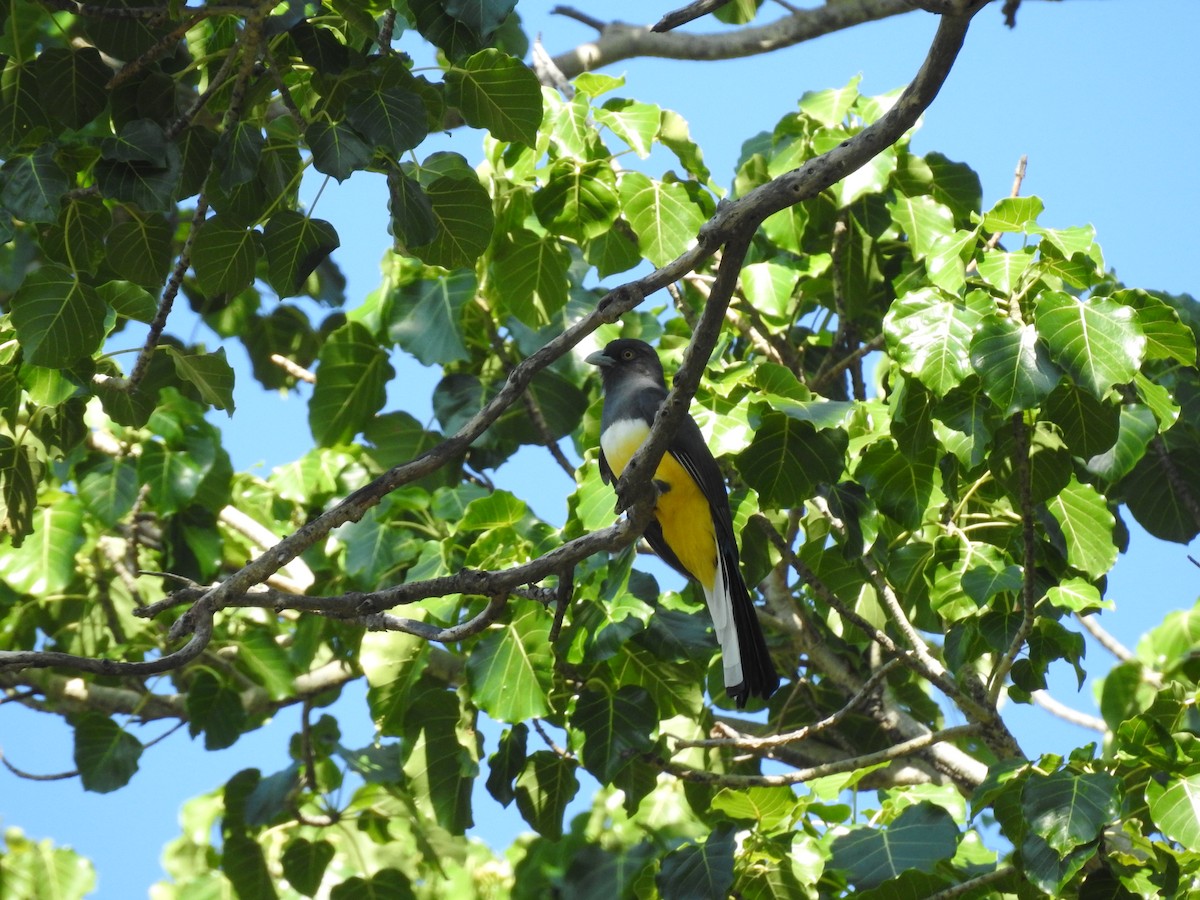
column 45, row 563
column 129, row 300
column 337, row 149
column 352, row 375
column 1086, row 526
column 1089, row 426
column 1049, row 462
column 109, row 490
column 224, row 256
column 1076, row 595
column 172, row 476
column 531, row 277
column 1166, row 336
column 497, row 92
column 1137, row 426
column 295, row 245
column 1067, row 810
column 483, row 17
column 663, row 215
column 693, row 872
column 578, row 201
column 510, row 669
column 426, row 317
column 391, row 118
column 788, row 458
column 901, row 487
column 139, row 250
column 545, row 787
column 1152, row 492
column 58, row 319
column 830, row 107
column 444, row 760
column 771, row 807
column 614, row 727
column 930, row 334
column 150, row 186
column 507, row 763
column 770, row 287
column 386, row 884
column 634, row 123
column 20, row 471
column 105, row 754
column 1098, row 342
column 1014, row 367
column 1004, row 270
column 43, row 871
column 1175, row 807
column 33, row 185
column 209, row 373
column 463, row 218
column 1013, row 214
column 71, row 84
column 216, row 709
column 245, row 865
column 920, row 837
column 923, row 220
column 598, row 874
column 391, row 662
column 413, row 222
column 304, row 864
column 238, row 153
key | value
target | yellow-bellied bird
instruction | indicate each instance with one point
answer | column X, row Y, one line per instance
column 692, row 528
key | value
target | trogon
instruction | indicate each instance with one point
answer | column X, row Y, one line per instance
column 692, row 528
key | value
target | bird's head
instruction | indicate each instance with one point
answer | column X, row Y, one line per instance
column 624, row 357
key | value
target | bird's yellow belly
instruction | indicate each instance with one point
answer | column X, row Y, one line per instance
column 682, row 509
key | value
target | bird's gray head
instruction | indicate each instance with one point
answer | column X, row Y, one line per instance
column 626, row 357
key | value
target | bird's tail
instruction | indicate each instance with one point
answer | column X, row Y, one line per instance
column 747, row 662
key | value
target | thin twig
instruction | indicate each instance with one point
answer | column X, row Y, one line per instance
column 1055, row 707
column 1104, row 638
column 686, row 14
column 897, row 751
column 973, row 884
column 294, row 369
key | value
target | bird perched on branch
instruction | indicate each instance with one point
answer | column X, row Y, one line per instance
column 692, row 528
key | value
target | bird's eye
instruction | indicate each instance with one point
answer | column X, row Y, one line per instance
column 628, row 354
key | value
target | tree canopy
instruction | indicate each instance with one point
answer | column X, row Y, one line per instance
column 936, row 416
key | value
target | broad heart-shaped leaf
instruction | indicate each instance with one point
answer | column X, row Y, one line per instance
column 1089, row 426
column 1137, row 426
column 497, row 92
column 71, row 84
column 59, row 320
column 352, row 374
column 148, row 186
column 1049, row 461
column 139, row 250
column 224, row 256
column 444, row 760
column 920, row 837
column 105, row 754
column 1068, row 810
column 33, row 185
column 413, row 222
column 237, row 154
column 614, row 727
column 830, row 106
column 663, row 215
column 531, row 277
column 304, row 864
column 1099, row 342
column 295, row 245
column 771, row 807
column 109, row 490
column 1087, row 526
column 789, row 457
column 507, row 763
column 509, row 669
column 426, row 317
column 579, row 200
column 929, row 333
column 386, row 884
column 634, row 123
column 923, row 220
column 45, row 562
column 1152, row 492
column 391, row 118
column 337, row 149
column 1014, row 367
column 245, row 865
column 899, row 486
column 693, row 872
column 208, row 373
column 1166, row 336
column 129, row 300
column 599, row 874
column 215, row 709
column 1013, row 214
column 546, row 785
column 1175, row 808
column 463, row 220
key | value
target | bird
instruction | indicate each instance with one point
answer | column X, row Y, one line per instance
column 692, row 527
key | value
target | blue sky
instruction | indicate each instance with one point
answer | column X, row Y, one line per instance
column 1100, row 96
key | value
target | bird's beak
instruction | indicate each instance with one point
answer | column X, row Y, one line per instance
column 599, row 359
